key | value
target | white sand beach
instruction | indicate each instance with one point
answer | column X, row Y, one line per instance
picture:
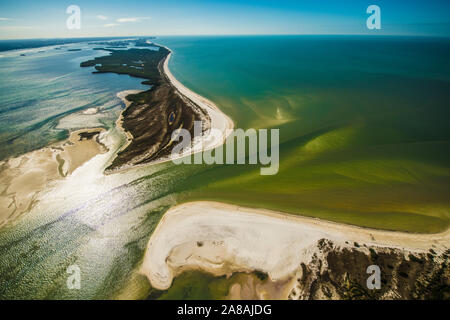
column 219, row 121
column 222, row 239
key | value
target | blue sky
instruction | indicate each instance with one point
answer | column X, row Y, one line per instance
column 47, row 18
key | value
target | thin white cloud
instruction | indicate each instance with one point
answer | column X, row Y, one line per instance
column 109, row 25
column 5, row 19
column 15, row 28
column 101, row 17
column 134, row 19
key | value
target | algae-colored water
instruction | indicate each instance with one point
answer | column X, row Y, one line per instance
column 364, row 135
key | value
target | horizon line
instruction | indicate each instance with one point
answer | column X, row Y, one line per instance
column 238, row 34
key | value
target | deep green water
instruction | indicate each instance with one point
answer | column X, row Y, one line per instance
column 364, row 140
column 363, row 124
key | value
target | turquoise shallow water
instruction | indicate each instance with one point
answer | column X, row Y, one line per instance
column 240, row 69
column 40, row 88
column 364, row 140
column 364, row 135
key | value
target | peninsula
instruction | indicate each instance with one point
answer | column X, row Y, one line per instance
column 152, row 115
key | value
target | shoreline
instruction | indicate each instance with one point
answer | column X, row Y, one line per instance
column 214, row 237
column 218, row 119
column 222, row 239
column 49, row 160
column 122, row 96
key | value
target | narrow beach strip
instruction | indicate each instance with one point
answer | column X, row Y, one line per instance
column 219, row 121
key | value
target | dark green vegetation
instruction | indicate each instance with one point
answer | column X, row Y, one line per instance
column 147, row 118
column 139, row 63
column 144, row 43
column 415, row 277
column 88, row 135
column 36, row 43
column 125, row 43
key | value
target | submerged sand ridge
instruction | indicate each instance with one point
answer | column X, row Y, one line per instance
column 222, row 239
column 23, row 177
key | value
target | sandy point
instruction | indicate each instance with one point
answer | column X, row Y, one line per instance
column 219, row 121
column 222, row 239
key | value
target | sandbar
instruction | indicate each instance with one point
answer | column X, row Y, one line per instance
column 221, row 239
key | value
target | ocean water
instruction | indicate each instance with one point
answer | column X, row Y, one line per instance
column 363, row 123
column 41, row 88
column 364, row 140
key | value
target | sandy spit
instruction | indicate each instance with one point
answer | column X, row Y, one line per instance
column 218, row 120
column 222, row 239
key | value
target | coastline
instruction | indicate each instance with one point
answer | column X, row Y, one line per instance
column 58, row 160
column 122, row 96
column 222, row 239
column 205, row 220
column 218, row 120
